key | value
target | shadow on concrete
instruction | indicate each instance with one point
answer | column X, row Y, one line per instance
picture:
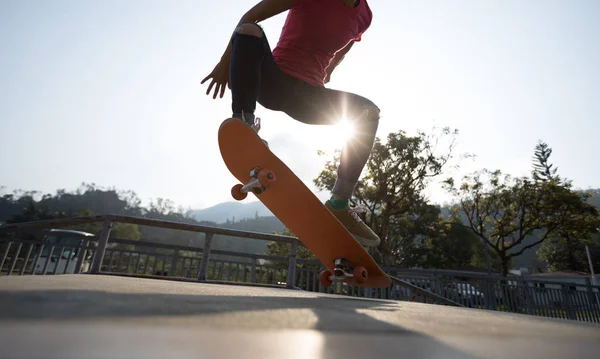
column 325, row 314
column 334, row 314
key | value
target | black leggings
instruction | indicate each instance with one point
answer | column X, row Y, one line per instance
column 255, row 77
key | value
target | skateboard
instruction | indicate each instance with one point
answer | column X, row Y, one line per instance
column 262, row 173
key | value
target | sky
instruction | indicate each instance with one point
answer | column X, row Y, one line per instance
column 108, row 91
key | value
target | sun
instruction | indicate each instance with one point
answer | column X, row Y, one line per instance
column 344, row 129
column 332, row 137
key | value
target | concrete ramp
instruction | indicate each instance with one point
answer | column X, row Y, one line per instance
column 93, row 316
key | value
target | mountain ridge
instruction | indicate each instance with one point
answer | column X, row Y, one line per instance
column 231, row 211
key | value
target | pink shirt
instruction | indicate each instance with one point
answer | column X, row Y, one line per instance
column 314, row 31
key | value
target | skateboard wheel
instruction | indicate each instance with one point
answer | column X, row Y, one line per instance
column 266, row 178
column 236, row 192
column 360, row 274
column 324, row 278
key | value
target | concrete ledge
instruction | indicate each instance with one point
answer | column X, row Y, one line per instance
column 109, row 316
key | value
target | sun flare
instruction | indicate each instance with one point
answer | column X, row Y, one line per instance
column 344, row 129
column 331, row 137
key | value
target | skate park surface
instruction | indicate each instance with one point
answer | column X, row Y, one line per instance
column 104, row 316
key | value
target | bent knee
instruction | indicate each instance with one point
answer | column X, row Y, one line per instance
column 249, row 28
column 371, row 113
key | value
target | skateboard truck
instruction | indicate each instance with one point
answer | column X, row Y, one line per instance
column 260, row 180
column 343, row 270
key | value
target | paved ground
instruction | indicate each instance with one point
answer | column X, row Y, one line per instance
column 79, row 316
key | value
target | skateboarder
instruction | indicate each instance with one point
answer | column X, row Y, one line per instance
column 316, row 36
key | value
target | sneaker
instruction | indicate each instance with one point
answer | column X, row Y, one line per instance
column 256, row 128
column 354, row 224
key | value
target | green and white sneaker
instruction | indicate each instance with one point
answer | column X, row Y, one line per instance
column 354, row 224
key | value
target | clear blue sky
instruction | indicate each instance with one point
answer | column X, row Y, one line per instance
column 108, row 91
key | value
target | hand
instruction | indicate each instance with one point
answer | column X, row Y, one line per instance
column 220, row 77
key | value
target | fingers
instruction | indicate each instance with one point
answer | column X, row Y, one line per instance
column 219, row 87
column 210, row 86
column 223, row 87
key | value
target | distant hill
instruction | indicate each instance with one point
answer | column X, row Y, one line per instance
column 231, row 211
column 268, row 225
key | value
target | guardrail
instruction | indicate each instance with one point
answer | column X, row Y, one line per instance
column 108, row 255
column 107, row 221
column 291, row 273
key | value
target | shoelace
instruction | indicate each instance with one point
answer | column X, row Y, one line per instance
column 256, row 125
column 361, row 208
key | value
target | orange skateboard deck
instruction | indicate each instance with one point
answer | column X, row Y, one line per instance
column 261, row 172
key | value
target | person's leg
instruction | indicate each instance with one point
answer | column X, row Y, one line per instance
column 254, row 75
column 358, row 148
column 245, row 70
column 322, row 106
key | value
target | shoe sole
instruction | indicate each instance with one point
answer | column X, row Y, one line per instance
column 367, row 242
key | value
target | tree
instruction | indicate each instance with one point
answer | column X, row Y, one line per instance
column 87, row 199
column 118, row 230
column 504, row 211
column 280, row 249
column 568, row 253
column 565, row 249
column 392, row 185
column 450, row 246
column 542, row 168
column 411, row 233
column 593, row 196
column 32, row 211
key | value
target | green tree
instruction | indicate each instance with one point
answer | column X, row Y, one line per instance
column 593, row 196
column 565, row 249
column 410, row 232
column 567, row 253
column 88, row 199
column 480, row 258
column 449, row 246
column 391, row 188
column 32, row 211
column 542, row 168
column 283, row 250
column 504, row 211
column 118, row 230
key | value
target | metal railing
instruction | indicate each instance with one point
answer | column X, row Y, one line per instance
column 107, row 255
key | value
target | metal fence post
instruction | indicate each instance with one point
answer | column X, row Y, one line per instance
column 202, row 273
column 594, row 305
column 81, row 255
column 566, row 296
column 174, row 260
column 291, row 277
column 102, row 243
column 253, row 270
column 489, row 295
